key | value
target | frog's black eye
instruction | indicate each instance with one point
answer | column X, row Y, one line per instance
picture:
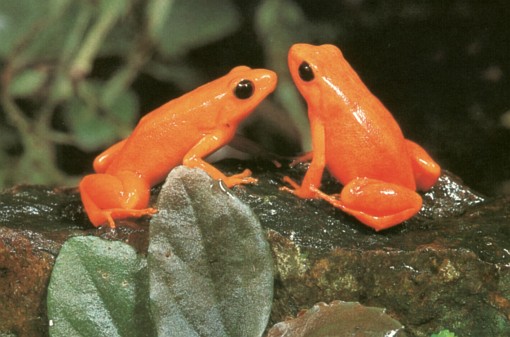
column 244, row 89
column 306, row 72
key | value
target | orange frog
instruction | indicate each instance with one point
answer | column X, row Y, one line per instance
column 182, row 131
column 359, row 141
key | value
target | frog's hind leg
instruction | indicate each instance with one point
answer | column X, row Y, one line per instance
column 376, row 203
column 108, row 156
column 107, row 197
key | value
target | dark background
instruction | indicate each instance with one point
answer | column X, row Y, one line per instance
column 441, row 67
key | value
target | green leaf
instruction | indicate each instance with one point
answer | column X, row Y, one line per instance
column 107, row 14
column 89, row 129
column 27, row 82
column 157, row 12
column 339, row 319
column 16, row 17
column 443, row 333
column 192, row 23
column 209, row 263
column 94, row 124
column 125, row 108
column 33, row 21
column 93, row 290
column 31, row 24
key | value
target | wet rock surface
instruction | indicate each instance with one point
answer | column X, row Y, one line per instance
column 447, row 268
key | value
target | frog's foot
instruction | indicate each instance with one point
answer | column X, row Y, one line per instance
column 301, row 159
column 240, row 178
column 298, row 190
column 109, row 215
column 376, row 203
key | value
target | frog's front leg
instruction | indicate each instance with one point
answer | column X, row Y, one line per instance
column 207, row 145
column 426, row 170
column 377, row 204
column 312, row 180
column 108, row 197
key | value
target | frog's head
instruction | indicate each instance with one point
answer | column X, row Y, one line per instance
column 240, row 91
column 322, row 74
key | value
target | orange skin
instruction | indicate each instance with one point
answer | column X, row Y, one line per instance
column 359, row 141
column 182, row 131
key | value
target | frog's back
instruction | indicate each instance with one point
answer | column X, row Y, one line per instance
column 155, row 149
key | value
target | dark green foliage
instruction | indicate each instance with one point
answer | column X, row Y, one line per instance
column 209, row 272
column 93, row 289
column 209, row 261
column 49, row 49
